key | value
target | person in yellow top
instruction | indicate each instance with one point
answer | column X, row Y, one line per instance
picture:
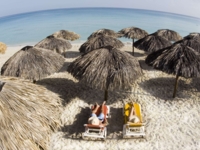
column 133, row 118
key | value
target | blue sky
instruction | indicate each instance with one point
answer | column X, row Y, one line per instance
column 185, row 7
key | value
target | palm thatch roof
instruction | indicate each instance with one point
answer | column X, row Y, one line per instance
column 29, row 115
column 3, row 48
column 132, row 33
column 67, row 35
column 54, row 44
column 32, row 63
column 152, row 43
column 192, row 40
column 149, row 60
column 107, row 32
column 180, row 60
column 99, row 42
column 169, row 34
column 106, row 68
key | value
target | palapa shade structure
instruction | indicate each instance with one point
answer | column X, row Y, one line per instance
column 179, row 60
column 3, row 48
column 67, row 35
column 29, row 114
column 99, row 42
column 32, row 63
column 107, row 32
column 169, row 34
column 132, row 33
column 192, row 40
column 152, row 43
column 57, row 45
column 106, row 69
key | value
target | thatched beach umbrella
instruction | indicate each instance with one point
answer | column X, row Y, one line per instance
column 107, row 32
column 132, row 33
column 29, row 115
column 106, row 69
column 169, row 34
column 3, row 48
column 67, row 35
column 179, row 60
column 152, row 43
column 192, row 40
column 99, row 42
column 57, row 45
column 32, row 63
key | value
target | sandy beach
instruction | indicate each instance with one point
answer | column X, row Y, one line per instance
column 171, row 123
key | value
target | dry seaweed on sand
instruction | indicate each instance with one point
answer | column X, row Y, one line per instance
column 32, row 63
column 29, row 114
column 99, row 42
column 3, row 48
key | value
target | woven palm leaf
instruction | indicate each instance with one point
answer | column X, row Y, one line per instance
column 3, row 48
column 192, row 40
column 132, row 33
column 67, row 35
column 29, row 115
column 169, row 34
column 152, row 43
column 99, row 42
column 106, row 68
column 54, row 44
column 107, row 32
column 32, row 63
column 180, row 60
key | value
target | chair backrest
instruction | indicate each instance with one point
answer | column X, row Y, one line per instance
column 127, row 110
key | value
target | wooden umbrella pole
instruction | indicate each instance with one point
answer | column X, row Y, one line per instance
column 175, row 86
column 133, row 48
column 106, row 95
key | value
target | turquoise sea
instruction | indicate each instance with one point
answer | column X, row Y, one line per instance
column 30, row 28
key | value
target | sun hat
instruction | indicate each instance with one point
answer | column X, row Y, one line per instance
column 93, row 120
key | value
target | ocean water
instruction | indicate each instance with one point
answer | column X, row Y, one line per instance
column 30, row 28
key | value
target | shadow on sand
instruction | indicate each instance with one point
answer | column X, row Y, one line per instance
column 68, row 89
column 72, row 54
column 163, row 88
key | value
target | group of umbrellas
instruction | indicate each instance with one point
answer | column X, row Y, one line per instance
column 102, row 64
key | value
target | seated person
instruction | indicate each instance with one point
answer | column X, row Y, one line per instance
column 132, row 117
column 97, row 120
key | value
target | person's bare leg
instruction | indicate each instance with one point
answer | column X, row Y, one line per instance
column 102, row 106
column 96, row 108
column 132, row 111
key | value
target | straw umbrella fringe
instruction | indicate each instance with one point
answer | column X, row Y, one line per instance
column 29, row 114
column 107, row 32
column 99, row 42
column 54, row 44
column 179, row 60
column 32, row 63
column 169, row 34
column 67, row 35
column 192, row 40
column 3, row 48
column 132, row 33
column 152, row 43
column 106, row 69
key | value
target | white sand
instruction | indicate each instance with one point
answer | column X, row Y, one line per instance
column 171, row 124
